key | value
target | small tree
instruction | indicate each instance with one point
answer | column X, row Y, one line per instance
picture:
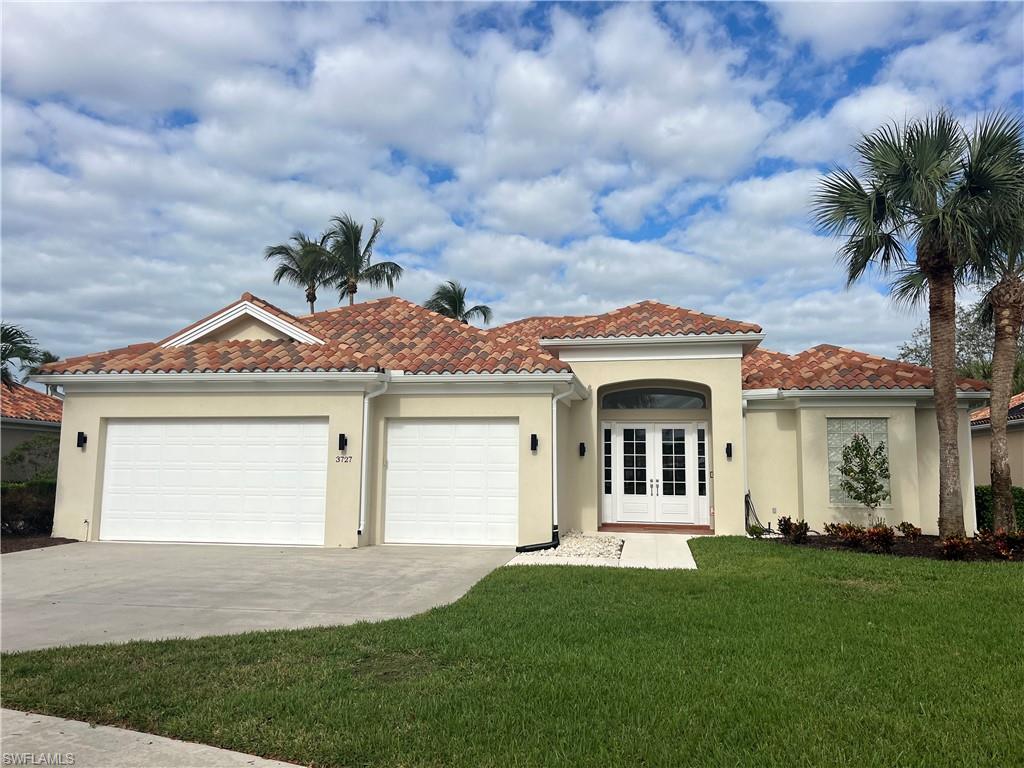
column 865, row 472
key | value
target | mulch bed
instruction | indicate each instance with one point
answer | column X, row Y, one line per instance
column 924, row 546
column 21, row 543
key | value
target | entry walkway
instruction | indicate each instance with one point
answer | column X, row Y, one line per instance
column 663, row 551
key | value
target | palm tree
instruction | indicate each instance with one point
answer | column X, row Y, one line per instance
column 449, row 299
column 16, row 344
column 1003, row 309
column 303, row 262
column 351, row 259
column 927, row 184
column 45, row 356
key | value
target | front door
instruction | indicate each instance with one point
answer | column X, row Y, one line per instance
column 659, row 473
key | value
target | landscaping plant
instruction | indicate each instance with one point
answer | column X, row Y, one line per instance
column 909, row 531
column 880, row 537
column 956, row 547
column 865, row 471
column 848, row 534
column 794, row 530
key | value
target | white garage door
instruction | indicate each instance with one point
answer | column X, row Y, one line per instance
column 239, row 481
column 452, row 482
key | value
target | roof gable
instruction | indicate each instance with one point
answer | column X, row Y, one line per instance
column 259, row 313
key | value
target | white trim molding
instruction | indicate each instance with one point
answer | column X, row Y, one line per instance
column 823, row 398
column 236, row 311
column 689, row 338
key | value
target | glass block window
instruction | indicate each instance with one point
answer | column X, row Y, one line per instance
column 840, row 433
column 608, row 461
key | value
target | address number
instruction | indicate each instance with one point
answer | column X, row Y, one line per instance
column 342, row 459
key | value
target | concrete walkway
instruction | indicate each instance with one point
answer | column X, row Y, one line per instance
column 56, row 740
column 106, row 592
column 662, row 551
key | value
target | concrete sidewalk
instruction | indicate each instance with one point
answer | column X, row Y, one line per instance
column 70, row 742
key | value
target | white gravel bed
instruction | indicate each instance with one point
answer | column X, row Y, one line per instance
column 578, row 544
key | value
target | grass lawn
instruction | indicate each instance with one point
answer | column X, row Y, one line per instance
column 767, row 656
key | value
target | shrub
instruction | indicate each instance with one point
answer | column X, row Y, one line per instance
column 1005, row 544
column 35, row 459
column 956, row 548
column 880, row 537
column 794, row 530
column 27, row 508
column 848, row 534
column 756, row 531
column 983, row 503
column 909, row 531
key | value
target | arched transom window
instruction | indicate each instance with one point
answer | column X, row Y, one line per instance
column 653, row 397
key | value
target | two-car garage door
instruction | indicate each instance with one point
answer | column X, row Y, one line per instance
column 452, row 481
column 239, row 481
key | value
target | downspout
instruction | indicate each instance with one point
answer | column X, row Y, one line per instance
column 555, row 400
column 365, row 465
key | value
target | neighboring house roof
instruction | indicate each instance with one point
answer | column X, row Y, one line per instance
column 830, row 367
column 26, row 404
column 646, row 318
column 395, row 334
column 375, row 335
column 1016, row 412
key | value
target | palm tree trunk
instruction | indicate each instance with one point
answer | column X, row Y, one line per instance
column 942, row 317
column 1008, row 304
column 352, row 288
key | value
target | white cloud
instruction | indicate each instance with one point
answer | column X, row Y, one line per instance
column 549, row 208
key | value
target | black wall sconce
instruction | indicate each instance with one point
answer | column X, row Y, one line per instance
column 82, row 439
column 728, row 450
column 534, row 442
column 583, row 449
column 342, row 442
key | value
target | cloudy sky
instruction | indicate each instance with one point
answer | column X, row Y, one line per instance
column 554, row 158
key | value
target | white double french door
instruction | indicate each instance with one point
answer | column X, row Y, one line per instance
column 656, row 473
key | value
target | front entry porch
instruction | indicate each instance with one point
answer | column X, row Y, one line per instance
column 656, row 476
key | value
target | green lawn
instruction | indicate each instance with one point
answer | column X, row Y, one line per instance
column 766, row 656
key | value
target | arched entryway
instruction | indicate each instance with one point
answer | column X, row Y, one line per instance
column 656, row 454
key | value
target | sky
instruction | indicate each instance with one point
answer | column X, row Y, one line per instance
column 556, row 159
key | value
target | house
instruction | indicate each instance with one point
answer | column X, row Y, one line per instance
column 25, row 414
column 384, row 422
column 981, row 441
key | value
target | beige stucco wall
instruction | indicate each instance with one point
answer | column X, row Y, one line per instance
column 533, row 413
column 773, row 463
column 788, row 464
column 245, row 328
column 721, row 376
column 80, row 471
column 982, row 442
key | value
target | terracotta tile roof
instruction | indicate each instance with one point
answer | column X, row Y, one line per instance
column 20, row 402
column 1015, row 413
column 646, row 318
column 829, row 367
column 255, row 300
column 387, row 333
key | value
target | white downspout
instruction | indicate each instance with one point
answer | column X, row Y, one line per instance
column 554, row 461
column 365, row 465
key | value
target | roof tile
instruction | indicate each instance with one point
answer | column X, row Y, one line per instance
column 20, row 402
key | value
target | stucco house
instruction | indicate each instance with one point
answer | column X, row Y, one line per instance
column 981, row 441
column 25, row 414
column 384, row 422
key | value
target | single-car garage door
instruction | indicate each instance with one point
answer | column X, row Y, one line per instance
column 237, row 481
column 452, row 481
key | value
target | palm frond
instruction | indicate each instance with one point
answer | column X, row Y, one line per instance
column 381, row 273
column 479, row 310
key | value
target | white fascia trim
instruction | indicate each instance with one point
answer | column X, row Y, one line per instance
column 472, row 383
column 233, row 313
column 245, row 381
column 596, row 341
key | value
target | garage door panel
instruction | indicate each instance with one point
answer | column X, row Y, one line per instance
column 210, row 480
column 452, row 481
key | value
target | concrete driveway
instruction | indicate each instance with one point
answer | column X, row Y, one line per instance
column 105, row 592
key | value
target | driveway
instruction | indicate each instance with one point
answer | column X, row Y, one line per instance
column 106, row 592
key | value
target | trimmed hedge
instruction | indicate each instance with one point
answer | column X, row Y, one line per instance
column 983, row 503
column 26, row 509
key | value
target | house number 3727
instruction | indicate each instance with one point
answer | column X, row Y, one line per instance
column 342, row 459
